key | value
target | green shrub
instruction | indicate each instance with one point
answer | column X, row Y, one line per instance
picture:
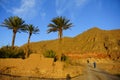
column 63, row 57
column 8, row 52
column 49, row 54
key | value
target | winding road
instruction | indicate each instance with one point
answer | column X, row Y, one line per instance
column 95, row 74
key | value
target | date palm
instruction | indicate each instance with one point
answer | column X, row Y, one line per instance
column 59, row 24
column 15, row 24
column 30, row 29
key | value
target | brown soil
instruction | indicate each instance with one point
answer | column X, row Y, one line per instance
column 37, row 66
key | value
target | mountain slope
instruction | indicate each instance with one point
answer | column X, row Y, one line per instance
column 96, row 40
column 93, row 40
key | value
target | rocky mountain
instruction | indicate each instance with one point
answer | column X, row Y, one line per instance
column 93, row 40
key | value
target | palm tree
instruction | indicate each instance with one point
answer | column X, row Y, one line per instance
column 31, row 30
column 16, row 24
column 59, row 24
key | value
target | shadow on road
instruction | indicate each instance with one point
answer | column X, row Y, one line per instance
column 34, row 78
column 116, row 77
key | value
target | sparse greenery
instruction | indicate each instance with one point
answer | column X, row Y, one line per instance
column 63, row 57
column 49, row 54
column 8, row 52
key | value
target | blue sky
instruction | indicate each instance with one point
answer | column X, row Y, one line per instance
column 84, row 14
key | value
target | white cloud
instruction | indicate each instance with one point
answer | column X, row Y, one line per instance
column 62, row 6
column 68, row 5
column 42, row 15
column 80, row 3
column 26, row 9
column 4, row 5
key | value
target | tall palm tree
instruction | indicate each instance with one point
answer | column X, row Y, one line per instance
column 59, row 24
column 15, row 24
column 31, row 30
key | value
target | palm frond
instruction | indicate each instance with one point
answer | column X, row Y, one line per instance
column 36, row 30
column 58, row 23
column 14, row 22
column 52, row 30
column 68, row 26
column 52, row 25
column 31, row 29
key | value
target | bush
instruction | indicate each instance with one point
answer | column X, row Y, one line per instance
column 49, row 54
column 8, row 52
column 63, row 57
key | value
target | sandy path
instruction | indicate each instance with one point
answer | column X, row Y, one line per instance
column 95, row 74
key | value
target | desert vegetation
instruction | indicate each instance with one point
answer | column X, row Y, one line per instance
column 49, row 54
column 16, row 24
column 8, row 52
column 60, row 57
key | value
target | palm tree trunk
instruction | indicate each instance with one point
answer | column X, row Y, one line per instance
column 28, row 45
column 60, row 40
column 29, row 39
column 13, row 39
column 60, row 35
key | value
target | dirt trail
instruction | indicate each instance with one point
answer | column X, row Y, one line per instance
column 95, row 74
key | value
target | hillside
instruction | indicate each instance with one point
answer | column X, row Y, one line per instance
column 93, row 45
column 93, row 40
